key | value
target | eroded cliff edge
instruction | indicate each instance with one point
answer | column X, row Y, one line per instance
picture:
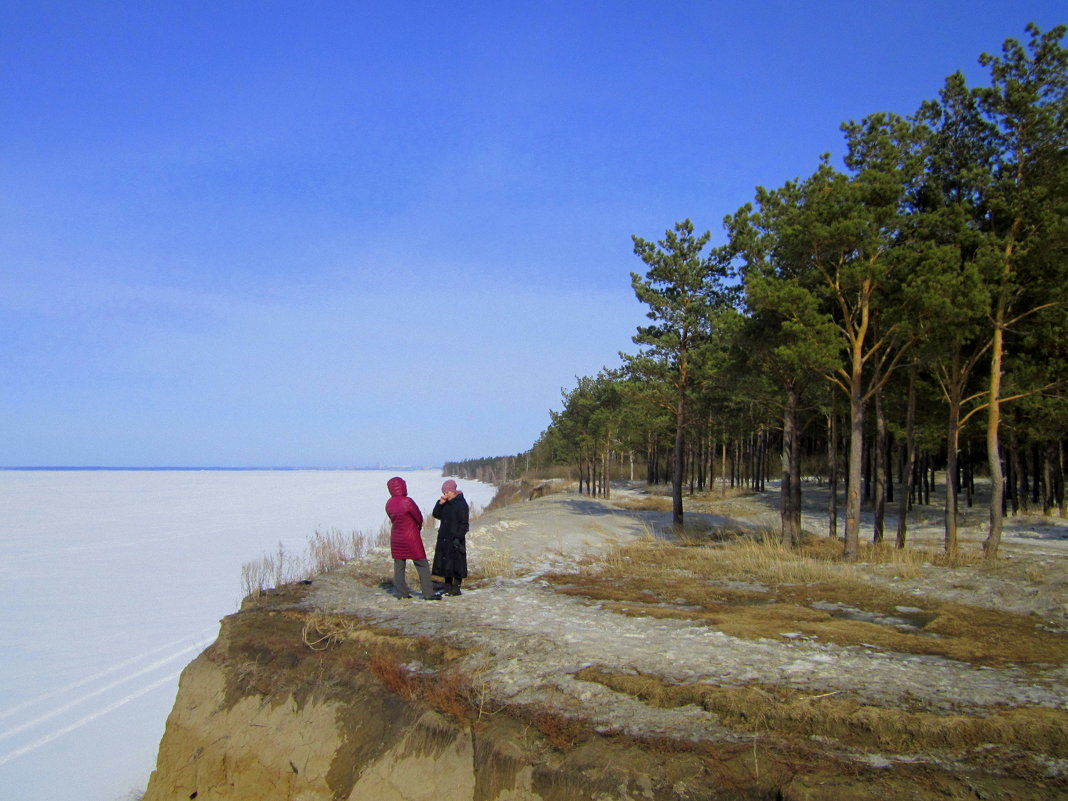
column 260, row 715
column 607, row 682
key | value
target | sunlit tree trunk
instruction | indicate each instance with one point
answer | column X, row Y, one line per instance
column 790, row 491
column 910, row 462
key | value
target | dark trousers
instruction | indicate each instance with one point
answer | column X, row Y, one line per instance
column 422, row 567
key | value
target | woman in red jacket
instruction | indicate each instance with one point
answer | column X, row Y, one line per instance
column 405, row 541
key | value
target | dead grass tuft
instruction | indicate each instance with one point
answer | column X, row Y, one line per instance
column 396, row 676
column 272, row 570
column 782, row 711
column 644, row 503
column 495, row 564
column 760, row 590
column 453, row 693
column 413, row 668
column 325, row 551
column 742, row 559
column 563, row 732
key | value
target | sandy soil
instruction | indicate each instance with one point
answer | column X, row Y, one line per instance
column 527, row 641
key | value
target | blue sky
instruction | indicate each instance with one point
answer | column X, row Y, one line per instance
column 378, row 233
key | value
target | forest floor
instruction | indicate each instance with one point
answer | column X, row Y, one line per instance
column 747, row 667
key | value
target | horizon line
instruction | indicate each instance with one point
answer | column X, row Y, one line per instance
column 56, row 468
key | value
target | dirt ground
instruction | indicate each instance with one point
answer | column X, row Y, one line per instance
column 911, row 678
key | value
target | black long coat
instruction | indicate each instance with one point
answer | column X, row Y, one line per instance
column 450, row 553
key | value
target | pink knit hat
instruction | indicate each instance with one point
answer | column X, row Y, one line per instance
column 449, row 486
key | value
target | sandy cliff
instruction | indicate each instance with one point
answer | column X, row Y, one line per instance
column 549, row 680
column 260, row 715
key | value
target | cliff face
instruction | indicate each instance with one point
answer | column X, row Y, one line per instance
column 263, row 716
column 278, row 747
column 260, row 715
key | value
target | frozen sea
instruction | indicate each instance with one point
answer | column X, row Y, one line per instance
column 111, row 581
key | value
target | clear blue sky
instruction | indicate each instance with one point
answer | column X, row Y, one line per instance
column 354, row 233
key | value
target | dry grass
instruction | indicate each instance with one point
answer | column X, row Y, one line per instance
column 760, row 590
column 563, row 732
column 645, row 503
column 453, row 693
column 322, row 631
column 325, row 551
column 908, row 562
column 741, row 560
column 397, row 677
column 719, row 491
column 495, row 564
column 425, row 670
column 271, row 570
column 764, row 709
column 413, row 668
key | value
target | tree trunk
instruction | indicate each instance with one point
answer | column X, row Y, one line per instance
column 856, row 455
column 723, row 463
column 1060, row 479
column 910, row 461
column 1023, row 482
column 1048, row 490
column 693, row 467
column 711, row 460
column 832, row 484
column 680, row 445
column 790, row 491
column 650, row 460
column 879, row 460
column 891, row 447
column 997, row 356
column 970, row 477
column 764, row 458
column 607, row 467
column 952, row 445
column 993, row 449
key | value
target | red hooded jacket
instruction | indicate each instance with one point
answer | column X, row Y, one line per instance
column 407, row 520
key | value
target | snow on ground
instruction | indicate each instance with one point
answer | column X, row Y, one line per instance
column 112, row 581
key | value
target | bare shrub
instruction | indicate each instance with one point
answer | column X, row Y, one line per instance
column 451, row 693
column 328, row 550
column 253, row 580
column 381, row 539
column 563, row 732
column 397, row 677
column 272, row 570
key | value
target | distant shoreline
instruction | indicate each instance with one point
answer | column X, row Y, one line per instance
column 89, row 468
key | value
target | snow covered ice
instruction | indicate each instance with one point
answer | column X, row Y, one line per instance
column 112, row 581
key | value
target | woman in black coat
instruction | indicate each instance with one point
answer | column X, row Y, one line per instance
column 450, row 553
